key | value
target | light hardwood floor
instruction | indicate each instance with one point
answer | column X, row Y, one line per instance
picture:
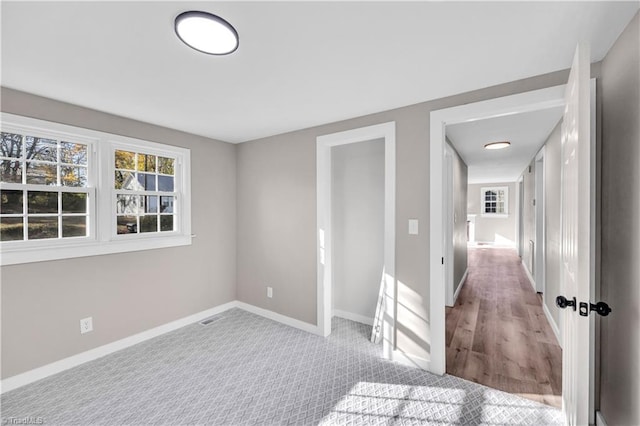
column 497, row 333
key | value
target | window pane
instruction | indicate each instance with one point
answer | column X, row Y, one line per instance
column 10, row 171
column 165, row 166
column 165, row 183
column 149, row 204
column 149, row 223
column 73, row 176
column 127, row 225
column 41, row 149
column 74, row 226
column 74, row 203
column 127, row 180
column 127, row 204
column 146, row 163
column 11, row 145
column 166, row 223
column 42, row 227
column 42, row 174
column 166, row 204
column 11, row 202
column 147, row 181
column 125, row 160
column 11, row 229
column 73, row 153
column 42, row 202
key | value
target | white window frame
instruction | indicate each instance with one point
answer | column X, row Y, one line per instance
column 486, row 189
column 102, row 237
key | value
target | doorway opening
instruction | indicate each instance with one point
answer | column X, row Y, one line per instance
column 485, row 338
column 337, row 148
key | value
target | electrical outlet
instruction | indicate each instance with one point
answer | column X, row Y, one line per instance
column 269, row 292
column 86, row 325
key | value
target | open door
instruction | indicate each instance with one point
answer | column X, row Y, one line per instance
column 578, row 243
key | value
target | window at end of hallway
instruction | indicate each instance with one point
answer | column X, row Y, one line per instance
column 494, row 201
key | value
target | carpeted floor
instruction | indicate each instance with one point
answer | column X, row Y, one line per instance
column 243, row 369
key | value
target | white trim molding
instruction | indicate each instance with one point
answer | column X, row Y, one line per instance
column 460, row 284
column 529, row 276
column 283, row 319
column 324, row 144
column 353, row 317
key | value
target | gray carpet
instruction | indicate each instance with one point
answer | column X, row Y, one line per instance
column 243, row 369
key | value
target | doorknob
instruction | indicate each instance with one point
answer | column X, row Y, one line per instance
column 563, row 302
column 601, row 308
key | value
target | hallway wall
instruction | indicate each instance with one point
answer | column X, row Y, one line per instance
column 460, row 179
column 620, row 273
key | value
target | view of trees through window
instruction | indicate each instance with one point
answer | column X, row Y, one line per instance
column 145, row 197
column 44, row 183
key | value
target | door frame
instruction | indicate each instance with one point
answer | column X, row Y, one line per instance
column 520, row 216
column 523, row 102
column 324, row 241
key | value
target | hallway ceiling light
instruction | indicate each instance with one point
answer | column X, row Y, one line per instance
column 206, row 33
column 497, row 145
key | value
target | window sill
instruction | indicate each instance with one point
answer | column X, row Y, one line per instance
column 494, row 215
column 16, row 256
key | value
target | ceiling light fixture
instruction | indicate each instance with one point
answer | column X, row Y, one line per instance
column 206, row 33
column 497, row 145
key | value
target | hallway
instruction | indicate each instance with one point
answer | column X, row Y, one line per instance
column 497, row 333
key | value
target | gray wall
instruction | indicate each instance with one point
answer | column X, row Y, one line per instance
column 620, row 274
column 460, row 175
column 357, row 226
column 492, row 229
column 127, row 293
column 553, row 255
column 277, row 213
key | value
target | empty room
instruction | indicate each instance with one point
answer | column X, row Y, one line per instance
column 288, row 213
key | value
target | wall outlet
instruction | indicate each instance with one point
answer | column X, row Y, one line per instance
column 269, row 292
column 86, row 325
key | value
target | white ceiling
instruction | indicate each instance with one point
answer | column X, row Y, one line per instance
column 299, row 64
column 527, row 132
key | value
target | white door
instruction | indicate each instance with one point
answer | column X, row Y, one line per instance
column 577, row 242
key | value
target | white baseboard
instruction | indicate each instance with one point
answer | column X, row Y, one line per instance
column 599, row 419
column 531, row 280
column 304, row 326
column 410, row 360
column 552, row 323
column 39, row 373
column 353, row 317
column 460, row 284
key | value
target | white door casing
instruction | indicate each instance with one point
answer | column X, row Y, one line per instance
column 577, row 219
column 324, row 241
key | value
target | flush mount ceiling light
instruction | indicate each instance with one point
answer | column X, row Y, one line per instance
column 497, row 145
column 206, row 33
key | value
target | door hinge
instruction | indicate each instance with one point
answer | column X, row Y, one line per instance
column 443, row 260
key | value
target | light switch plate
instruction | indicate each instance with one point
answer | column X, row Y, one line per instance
column 413, row 226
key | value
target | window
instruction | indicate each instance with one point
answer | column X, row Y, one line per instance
column 494, row 201
column 71, row 192
column 145, row 196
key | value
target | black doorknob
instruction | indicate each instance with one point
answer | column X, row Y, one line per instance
column 562, row 302
column 600, row 308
